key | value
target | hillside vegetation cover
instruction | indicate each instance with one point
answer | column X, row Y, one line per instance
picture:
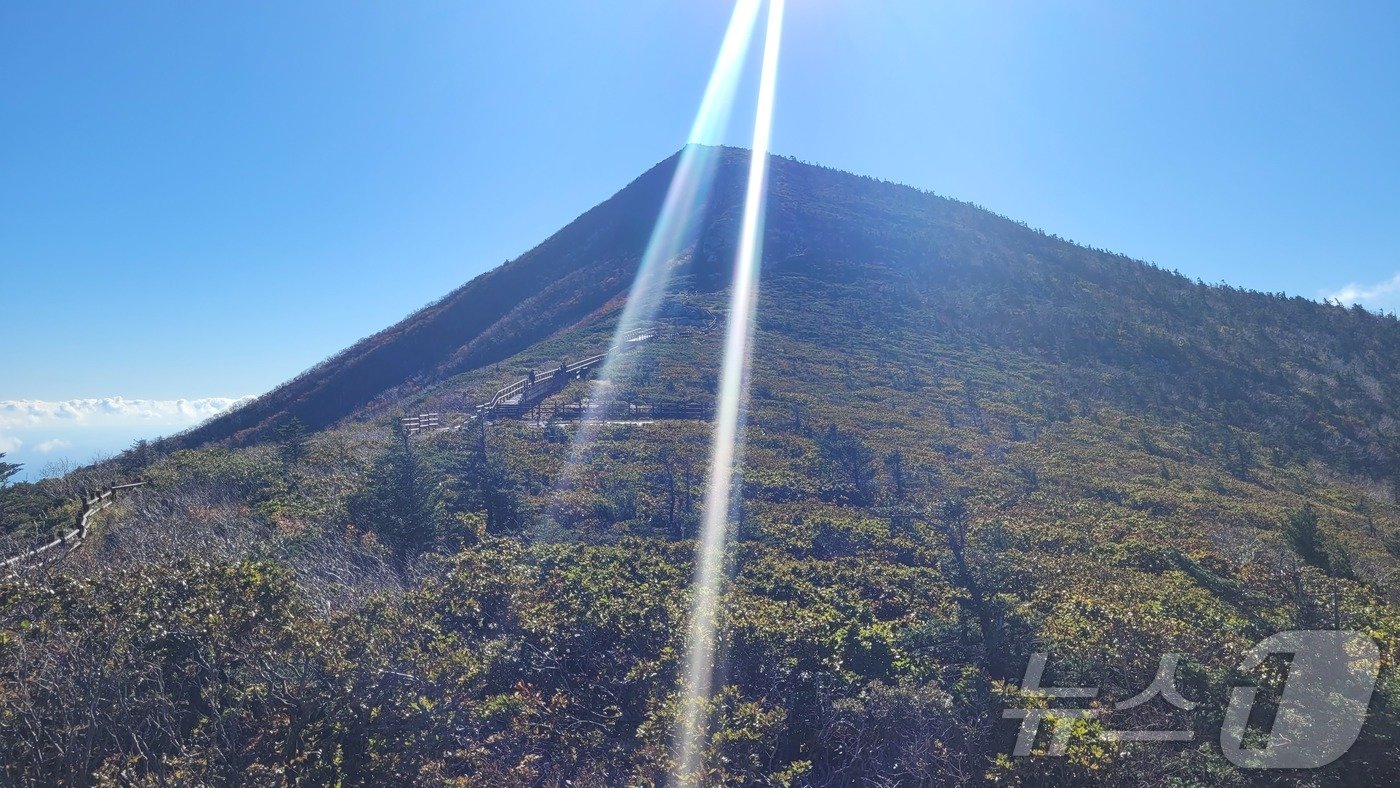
column 967, row 442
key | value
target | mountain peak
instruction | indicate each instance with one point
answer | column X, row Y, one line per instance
column 952, row 268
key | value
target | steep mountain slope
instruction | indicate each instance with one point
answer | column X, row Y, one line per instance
column 1296, row 371
column 967, row 442
column 565, row 278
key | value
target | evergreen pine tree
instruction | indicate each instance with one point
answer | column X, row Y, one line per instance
column 401, row 502
column 291, row 440
column 7, row 472
column 1304, row 536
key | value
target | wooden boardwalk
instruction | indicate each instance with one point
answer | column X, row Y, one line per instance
column 524, row 399
column 67, row 541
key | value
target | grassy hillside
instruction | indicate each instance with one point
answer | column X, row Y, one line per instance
column 968, row 442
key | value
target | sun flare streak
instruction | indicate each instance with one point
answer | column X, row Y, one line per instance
column 676, row 224
column 727, row 447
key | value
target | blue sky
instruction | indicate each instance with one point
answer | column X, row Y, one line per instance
column 202, row 199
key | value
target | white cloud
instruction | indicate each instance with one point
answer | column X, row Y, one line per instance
column 9, row 444
column 112, row 412
column 1381, row 295
column 52, row 444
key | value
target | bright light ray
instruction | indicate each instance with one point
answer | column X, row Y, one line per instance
column 693, row 724
column 677, row 222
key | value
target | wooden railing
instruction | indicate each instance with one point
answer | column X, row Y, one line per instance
column 543, row 384
column 50, row 552
column 620, row 411
column 421, row 423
